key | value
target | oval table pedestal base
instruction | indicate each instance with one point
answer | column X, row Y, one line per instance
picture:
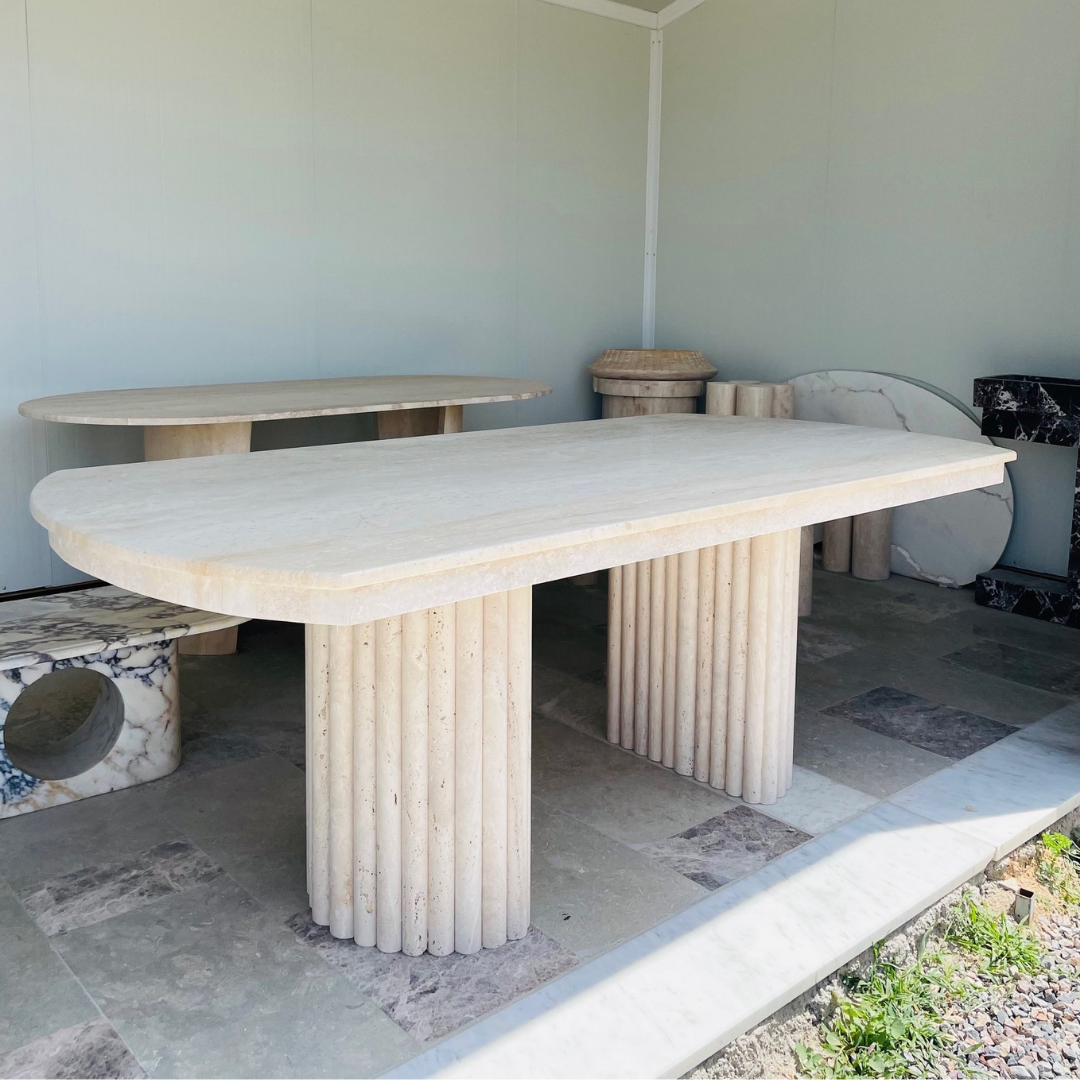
column 419, row 787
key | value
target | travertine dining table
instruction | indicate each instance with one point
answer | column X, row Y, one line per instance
column 192, row 421
column 412, row 561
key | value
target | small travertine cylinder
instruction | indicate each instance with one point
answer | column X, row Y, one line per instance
column 871, row 545
column 753, row 399
column 783, row 401
column 836, row 546
column 419, row 776
column 720, row 399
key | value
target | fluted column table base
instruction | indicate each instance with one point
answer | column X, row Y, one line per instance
column 418, row 751
column 701, row 662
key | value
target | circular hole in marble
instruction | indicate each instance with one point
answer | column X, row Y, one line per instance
column 63, row 724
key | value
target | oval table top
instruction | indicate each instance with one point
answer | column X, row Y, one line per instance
column 350, row 532
column 230, row 403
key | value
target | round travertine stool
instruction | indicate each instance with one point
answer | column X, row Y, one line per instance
column 640, row 382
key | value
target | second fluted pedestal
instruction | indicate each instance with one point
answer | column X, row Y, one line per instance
column 701, row 662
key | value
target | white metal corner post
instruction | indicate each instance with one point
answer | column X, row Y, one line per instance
column 652, row 187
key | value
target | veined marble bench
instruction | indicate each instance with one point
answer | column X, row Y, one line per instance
column 132, row 732
column 411, row 562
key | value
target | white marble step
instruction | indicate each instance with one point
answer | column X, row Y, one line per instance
column 669, row 998
column 65, row 625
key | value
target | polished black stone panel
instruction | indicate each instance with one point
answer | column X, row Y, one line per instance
column 1032, row 408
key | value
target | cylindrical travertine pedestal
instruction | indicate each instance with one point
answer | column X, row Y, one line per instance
column 836, row 546
column 418, row 750
column 701, row 662
column 871, row 545
column 642, row 382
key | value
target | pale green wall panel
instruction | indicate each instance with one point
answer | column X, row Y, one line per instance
column 888, row 186
column 231, row 190
column 22, row 445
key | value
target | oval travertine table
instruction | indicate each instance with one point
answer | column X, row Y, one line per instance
column 193, row 421
column 412, row 561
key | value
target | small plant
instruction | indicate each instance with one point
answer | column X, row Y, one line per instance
column 889, row 1024
column 1057, row 867
column 995, row 941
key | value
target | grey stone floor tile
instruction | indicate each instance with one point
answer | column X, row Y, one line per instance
column 1026, row 666
column 97, row 893
column 724, row 848
column 818, row 642
column 254, row 807
column 49, row 843
column 590, row 892
column 432, row 996
column 91, row 1050
column 935, row 679
column 815, row 804
column 617, row 793
column 892, row 631
column 1002, row 626
column 577, row 703
column 953, row 733
column 277, row 879
column 205, row 984
column 861, row 759
column 288, row 743
column 915, row 601
column 38, row 994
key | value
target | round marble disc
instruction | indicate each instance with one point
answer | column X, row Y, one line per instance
column 947, row 541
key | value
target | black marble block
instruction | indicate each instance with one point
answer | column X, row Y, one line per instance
column 1033, row 408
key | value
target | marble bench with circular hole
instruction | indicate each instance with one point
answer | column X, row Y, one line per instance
column 109, row 656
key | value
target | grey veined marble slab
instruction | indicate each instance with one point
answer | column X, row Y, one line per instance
column 92, row 1051
column 431, row 996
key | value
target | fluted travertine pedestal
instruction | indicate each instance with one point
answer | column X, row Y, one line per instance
column 701, row 662
column 418, row 751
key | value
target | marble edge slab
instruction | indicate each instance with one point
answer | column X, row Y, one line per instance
column 1007, row 792
column 563, row 550
column 121, row 640
column 665, row 1001
column 56, row 408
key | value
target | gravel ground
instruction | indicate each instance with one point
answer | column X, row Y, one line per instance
column 1030, row 1027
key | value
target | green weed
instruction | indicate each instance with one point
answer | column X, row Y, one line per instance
column 1057, row 867
column 994, row 941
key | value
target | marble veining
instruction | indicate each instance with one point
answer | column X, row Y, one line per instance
column 1031, row 408
column 432, row 996
column 133, row 738
column 96, row 893
column 953, row 733
column 728, row 846
column 945, row 541
column 70, row 624
column 91, row 1050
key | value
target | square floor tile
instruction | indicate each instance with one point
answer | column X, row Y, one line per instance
column 590, row 892
column 822, row 642
column 726, row 847
column 618, row 793
column 40, row 995
column 952, row 733
column 91, row 1050
column 431, row 996
column 97, row 893
column 50, row 843
column 815, row 804
column 1049, row 639
column 575, row 702
column 1025, row 666
column 861, row 759
column 204, row 983
column 933, row 678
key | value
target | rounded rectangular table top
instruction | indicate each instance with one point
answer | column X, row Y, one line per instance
column 230, row 403
column 346, row 533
